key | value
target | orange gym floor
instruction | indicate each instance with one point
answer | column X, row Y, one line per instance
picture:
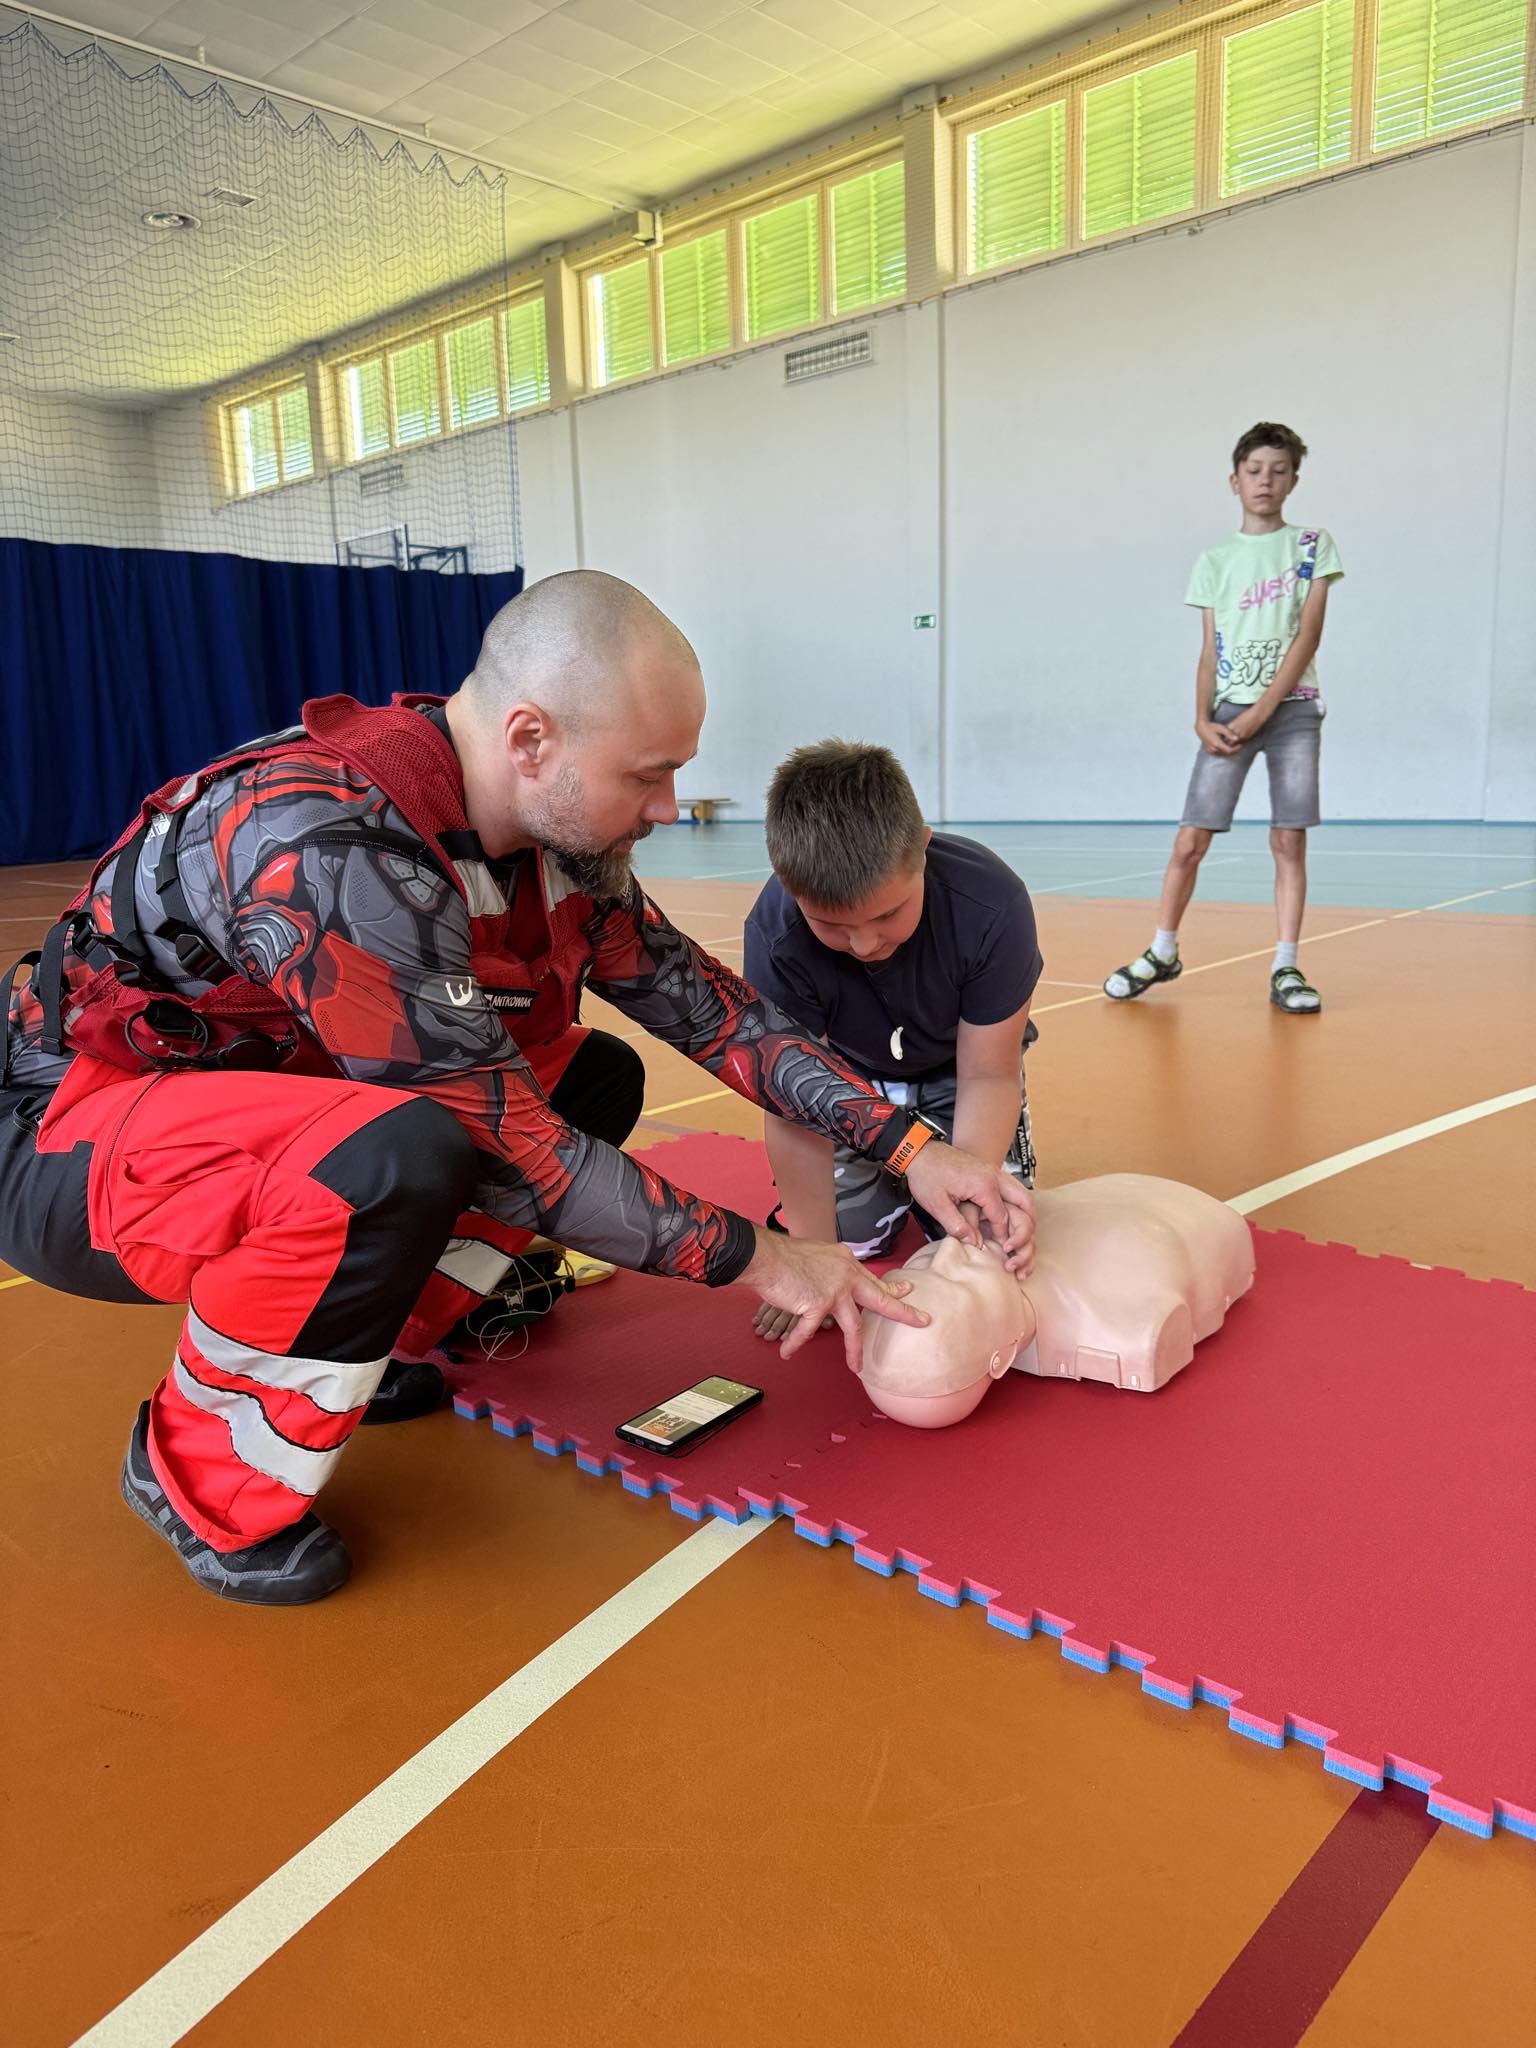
column 804, row 1804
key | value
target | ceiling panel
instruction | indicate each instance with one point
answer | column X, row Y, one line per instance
column 625, row 100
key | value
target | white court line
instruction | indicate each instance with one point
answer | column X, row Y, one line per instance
column 724, row 875
column 1131, row 875
column 1374, row 1148
column 1261, row 852
column 187, row 1988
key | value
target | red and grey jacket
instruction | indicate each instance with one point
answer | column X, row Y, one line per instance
column 317, row 901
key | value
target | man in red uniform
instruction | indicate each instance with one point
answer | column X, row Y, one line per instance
column 305, row 1055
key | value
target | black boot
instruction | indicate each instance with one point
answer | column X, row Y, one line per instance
column 297, row 1565
column 410, row 1387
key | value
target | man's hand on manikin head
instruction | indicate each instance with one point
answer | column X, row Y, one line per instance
column 967, row 1198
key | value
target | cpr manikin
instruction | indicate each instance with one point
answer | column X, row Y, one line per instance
column 1129, row 1274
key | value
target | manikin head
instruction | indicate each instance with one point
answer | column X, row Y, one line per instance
column 846, row 838
column 1130, row 1273
column 1266, row 466
column 582, row 705
column 978, row 1318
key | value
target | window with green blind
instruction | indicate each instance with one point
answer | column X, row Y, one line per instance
column 1443, row 64
column 255, row 447
column 271, row 440
column 1016, row 187
column 781, row 253
column 413, row 392
column 366, row 412
column 1285, row 102
column 470, row 356
column 298, row 447
column 527, row 355
column 625, row 345
column 695, row 299
column 1139, row 147
column 869, row 238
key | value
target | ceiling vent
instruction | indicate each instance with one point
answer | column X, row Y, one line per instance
column 384, row 476
column 221, row 195
column 847, row 352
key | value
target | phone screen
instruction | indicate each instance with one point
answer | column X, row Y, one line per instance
column 689, row 1417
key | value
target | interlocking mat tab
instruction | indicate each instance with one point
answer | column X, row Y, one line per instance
column 1325, row 1526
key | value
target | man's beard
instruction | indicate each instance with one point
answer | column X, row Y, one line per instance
column 600, row 872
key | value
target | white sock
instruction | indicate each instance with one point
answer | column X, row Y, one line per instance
column 1165, row 945
column 1285, row 955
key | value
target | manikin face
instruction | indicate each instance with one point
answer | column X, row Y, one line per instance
column 978, row 1318
column 1262, row 482
column 598, row 792
column 872, row 930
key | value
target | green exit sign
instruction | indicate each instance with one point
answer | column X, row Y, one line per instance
column 920, row 620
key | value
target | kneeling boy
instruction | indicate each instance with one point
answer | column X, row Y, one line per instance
column 911, row 953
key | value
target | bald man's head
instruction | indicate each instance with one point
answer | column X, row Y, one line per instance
column 583, row 645
column 583, row 702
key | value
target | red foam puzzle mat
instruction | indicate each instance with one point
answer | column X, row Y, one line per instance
column 1325, row 1526
column 613, row 1350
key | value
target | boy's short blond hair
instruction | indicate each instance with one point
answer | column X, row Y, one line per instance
column 842, row 819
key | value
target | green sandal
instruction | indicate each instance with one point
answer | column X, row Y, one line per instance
column 1290, row 990
column 1140, row 975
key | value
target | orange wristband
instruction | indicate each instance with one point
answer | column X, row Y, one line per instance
column 916, row 1138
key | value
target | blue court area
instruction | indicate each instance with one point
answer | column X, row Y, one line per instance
column 1413, row 866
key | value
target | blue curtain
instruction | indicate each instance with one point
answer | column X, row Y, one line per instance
column 121, row 667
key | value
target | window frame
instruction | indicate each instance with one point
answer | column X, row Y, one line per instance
column 1058, row 94
column 831, row 183
column 1226, row 31
column 735, row 325
column 621, row 259
column 1367, row 47
column 267, row 395
column 733, row 222
column 383, row 346
column 1111, row 74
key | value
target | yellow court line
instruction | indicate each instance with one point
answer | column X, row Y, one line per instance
column 1313, row 939
column 1373, row 1148
column 1469, row 899
column 688, row 1102
column 183, row 1991
column 21, row 1280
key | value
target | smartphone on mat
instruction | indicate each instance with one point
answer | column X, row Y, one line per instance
column 683, row 1423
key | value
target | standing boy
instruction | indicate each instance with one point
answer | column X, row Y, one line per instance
column 1262, row 595
column 913, row 954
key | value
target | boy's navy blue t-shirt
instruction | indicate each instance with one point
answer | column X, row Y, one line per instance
column 974, row 958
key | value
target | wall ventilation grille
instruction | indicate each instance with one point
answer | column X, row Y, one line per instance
column 384, row 476
column 847, row 352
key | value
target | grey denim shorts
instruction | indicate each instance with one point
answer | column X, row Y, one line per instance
column 1290, row 743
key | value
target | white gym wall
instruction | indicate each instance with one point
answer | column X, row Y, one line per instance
column 1085, row 412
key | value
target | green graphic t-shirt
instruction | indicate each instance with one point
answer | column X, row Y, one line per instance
column 1256, row 584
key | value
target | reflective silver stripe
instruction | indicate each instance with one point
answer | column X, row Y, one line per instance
column 256, row 1442
column 472, row 1264
column 333, row 1387
column 485, row 899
